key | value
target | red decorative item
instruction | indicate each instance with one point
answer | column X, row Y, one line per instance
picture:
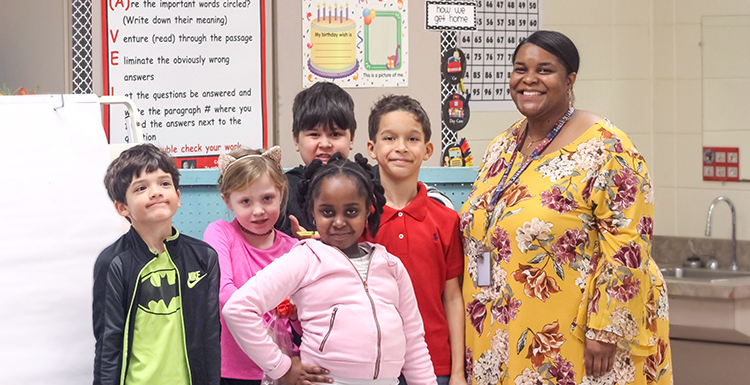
column 721, row 164
column 285, row 308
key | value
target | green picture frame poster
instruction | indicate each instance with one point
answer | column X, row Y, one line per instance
column 355, row 45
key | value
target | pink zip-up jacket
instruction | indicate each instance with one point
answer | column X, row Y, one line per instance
column 355, row 328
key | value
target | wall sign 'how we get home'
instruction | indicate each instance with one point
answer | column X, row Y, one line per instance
column 450, row 15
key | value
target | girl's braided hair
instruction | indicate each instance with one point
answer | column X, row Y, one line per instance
column 358, row 171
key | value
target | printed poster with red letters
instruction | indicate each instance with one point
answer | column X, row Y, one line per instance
column 195, row 69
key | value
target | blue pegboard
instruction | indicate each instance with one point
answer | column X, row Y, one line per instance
column 455, row 182
column 202, row 203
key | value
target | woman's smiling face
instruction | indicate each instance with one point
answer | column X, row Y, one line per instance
column 539, row 83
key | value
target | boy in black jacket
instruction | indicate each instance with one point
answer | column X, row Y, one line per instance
column 156, row 304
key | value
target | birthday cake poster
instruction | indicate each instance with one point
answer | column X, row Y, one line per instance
column 356, row 43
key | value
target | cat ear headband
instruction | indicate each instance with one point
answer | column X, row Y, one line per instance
column 226, row 160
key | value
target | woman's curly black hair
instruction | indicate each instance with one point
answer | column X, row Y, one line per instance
column 358, row 171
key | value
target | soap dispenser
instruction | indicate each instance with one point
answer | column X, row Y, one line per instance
column 694, row 260
column 712, row 263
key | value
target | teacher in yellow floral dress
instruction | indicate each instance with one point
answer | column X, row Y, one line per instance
column 559, row 284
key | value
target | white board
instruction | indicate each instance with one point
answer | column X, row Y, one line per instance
column 196, row 71
column 55, row 218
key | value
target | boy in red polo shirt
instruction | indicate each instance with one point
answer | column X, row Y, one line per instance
column 431, row 248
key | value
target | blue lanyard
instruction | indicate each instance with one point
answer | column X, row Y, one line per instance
column 504, row 182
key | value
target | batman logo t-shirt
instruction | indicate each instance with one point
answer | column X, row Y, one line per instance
column 158, row 351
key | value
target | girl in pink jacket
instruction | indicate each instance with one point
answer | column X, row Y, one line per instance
column 360, row 321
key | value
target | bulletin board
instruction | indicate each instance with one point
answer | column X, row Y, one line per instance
column 196, row 71
column 357, row 44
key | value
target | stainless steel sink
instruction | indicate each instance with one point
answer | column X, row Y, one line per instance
column 703, row 274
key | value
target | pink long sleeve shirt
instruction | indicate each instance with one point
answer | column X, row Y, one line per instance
column 239, row 262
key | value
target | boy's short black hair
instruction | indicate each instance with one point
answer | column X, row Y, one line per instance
column 131, row 163
column 392, row 103
column 323, row 103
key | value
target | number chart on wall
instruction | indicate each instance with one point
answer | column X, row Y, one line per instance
column 501, row 25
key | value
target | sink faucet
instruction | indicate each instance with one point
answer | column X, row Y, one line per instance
column 734, row 226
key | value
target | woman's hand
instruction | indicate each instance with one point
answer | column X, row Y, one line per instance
column 598, row 357
column 301, row 374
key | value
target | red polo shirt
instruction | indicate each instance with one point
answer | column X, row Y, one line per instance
column 425, row 236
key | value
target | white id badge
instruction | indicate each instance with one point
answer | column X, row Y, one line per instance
column 484, row 267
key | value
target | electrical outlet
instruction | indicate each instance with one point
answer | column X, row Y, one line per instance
column 721, row 164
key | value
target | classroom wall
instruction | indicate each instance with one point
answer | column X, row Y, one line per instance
column 612, row 37
column 424, row 77
column 34, row 45
column 640, row 67
column 683, row 197
column 614, row 40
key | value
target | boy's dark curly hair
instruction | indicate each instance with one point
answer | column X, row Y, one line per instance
column 358, row 171
column 131, row 163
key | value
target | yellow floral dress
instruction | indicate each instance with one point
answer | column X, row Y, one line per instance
column 570, row 251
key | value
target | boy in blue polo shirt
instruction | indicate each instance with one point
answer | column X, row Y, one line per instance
column 420, row 231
